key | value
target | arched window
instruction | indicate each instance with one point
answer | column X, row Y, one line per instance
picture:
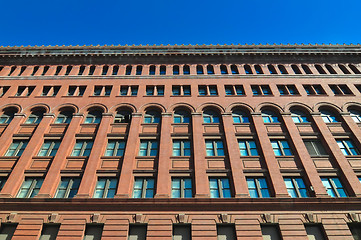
column 105, row 70
column 234, row 69
column 224, row 69
column 306, row 69
column 186, row 70
column 269, row 117
column 128, row 70
column 115, row 70
column 94, row 116
column 91, row 70
column 181, row 116
column 247, row 69
column 122, row 116
column 7, row 116
column 320, row 69
column 299, row 116
column 152, row 70
column 272, row 69
column 35, row 117
column 282, row 69
column 162, row 70
column 64, row 117
column 355, row 115
column 328, row 116
column 199, row 69
column 344, row 69
column 139, row 70
column 330, row 69
column 295, row 69
column 354, row 69
column 152, row 116
column 258, row 69
column 176, row 70
column 210, row 116
column 81, row 70
column 240, row 116
column 210, row 70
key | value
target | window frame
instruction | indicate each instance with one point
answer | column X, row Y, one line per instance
column 145, row 181
column 222, row 190
column 73, row 184
column 20, row 148
column 182, row 149
column 248, row 148
column 346, row 149
column 296, row 187
column 183, row 189
column 107, row 189
column 258, row 182
column 51, row 150
column 84, row 147
column 149, row 147
column 32, row 188
column 333, row 186
column 281, row 148
column 214, row 149
column 118, row 150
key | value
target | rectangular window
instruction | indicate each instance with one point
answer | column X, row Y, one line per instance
column 285, row 90
column 68, row 187
column 82, row 148
column 181, row 148
column 143, row 188
column 181, row 90
column 115, row 148
column 355, row 229
column 49, row 148
column 128, row 90
column 347, row 147
column 333, row 186
column 154, row 91
column 214, row 148
column 234, row 90
column 16, row 148
column 248, row 148
column 258, row 188
column 315, row 231
column 137, row 232
column 93, row 231
column 281, row 148
column 181, row 187
column 340, row 89
column 76, row 90
column 24, row 91
column 3, row 90
column 30, row 187
column 148, row 148
column 106, row 188
column 2, row 182
column 315, row 148
column 296, row 187
column 226, row 232
column 207, row 90
column 102, row 90
column 49, row 231
column 261, row 90
column 7, row 230
column 50, row 91
column 182, row 232
column 219, row 188
column 315, row 89
column 271, row 232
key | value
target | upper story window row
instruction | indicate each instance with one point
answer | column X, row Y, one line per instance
column 182, row 69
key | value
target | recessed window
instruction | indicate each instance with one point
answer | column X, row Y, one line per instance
column 82, row 148
column 182, row 232
column 35, row 117
column 210, row 70
column 128, row 90
column 258, row 69
column 176, row 70
column 224, row 69
column 210, row 116
column 181, row 90
column 271, row 232
column 122, row 116
column 299, row 116
column 200, row 70
column 315, row 231
column 315, row 148
column 64, row 117
column 334, row 187
column 226, row 231
column 296, row 187
column 340, row 89
column 154, row 90
column 94, row 116
column 181, row 116
column 248, row 69
column 248, row 148
column 258, row 187
column 30, row 187
column 234, row 69
column 106, row 187
column 3, row 90
column 152, row 116
column 355, row 115
column 281, row 148
column 330, row 69
column 152, row 70
column 76, row 90
column 68, row 187
column 181, row 148
column 314, row 89
column 128, row 70
column 162, row 70
column 7, row 115
column 328, row 116
column 355, row 228
column 282, row 69
column 354, row 69
column 49, row 231
column 347, row 147
column 105, row 70
column 271, row 69
column 115, row 148
column 214, row 148
column 295, row 69
column 148, row 148
column 240, row 116
column 102, row 90
column 285, row 90
column 139, row 70
column 261, row 90
column 207, row 90
column 137, row 232
column 269, row 116
column 143, row 188
column 186, row 70
column 49, row 148
column 16, row 148
column 115, row 70
column 181, row 187
column 93, row 231
column 344, row 69
column 219, row 188
column 7, row 230
column 24, row 91
column 91, row 70
column 234, row 90
column 320, row 69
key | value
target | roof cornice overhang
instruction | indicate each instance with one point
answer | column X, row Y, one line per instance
column 180, row 50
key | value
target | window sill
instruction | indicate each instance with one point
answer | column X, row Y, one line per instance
column 126, row 96
column 18, row 96
column 269, row 95
column 181, row 96
column 153, row 96
column 100, row 96
column 208, row 95
column 45, row 96
column 290, row 95
column 73, row 96
column 43, row 157
column 243, row 95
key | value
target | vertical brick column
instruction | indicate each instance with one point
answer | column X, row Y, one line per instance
column 305, row 158
column 89, row 179
column 165, row 144
column 200, row 161
column 347, row 174
column 6, row 137
column 269, row 157
column 238, row 178
column 53, row 176
column 17, row 175
column 352, row 127
column 126, row 175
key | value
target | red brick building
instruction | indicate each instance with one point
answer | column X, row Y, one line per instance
column 180, row 142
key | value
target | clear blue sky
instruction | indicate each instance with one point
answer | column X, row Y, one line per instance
column 88, row 22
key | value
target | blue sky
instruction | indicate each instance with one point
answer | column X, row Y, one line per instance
column 86, row 22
